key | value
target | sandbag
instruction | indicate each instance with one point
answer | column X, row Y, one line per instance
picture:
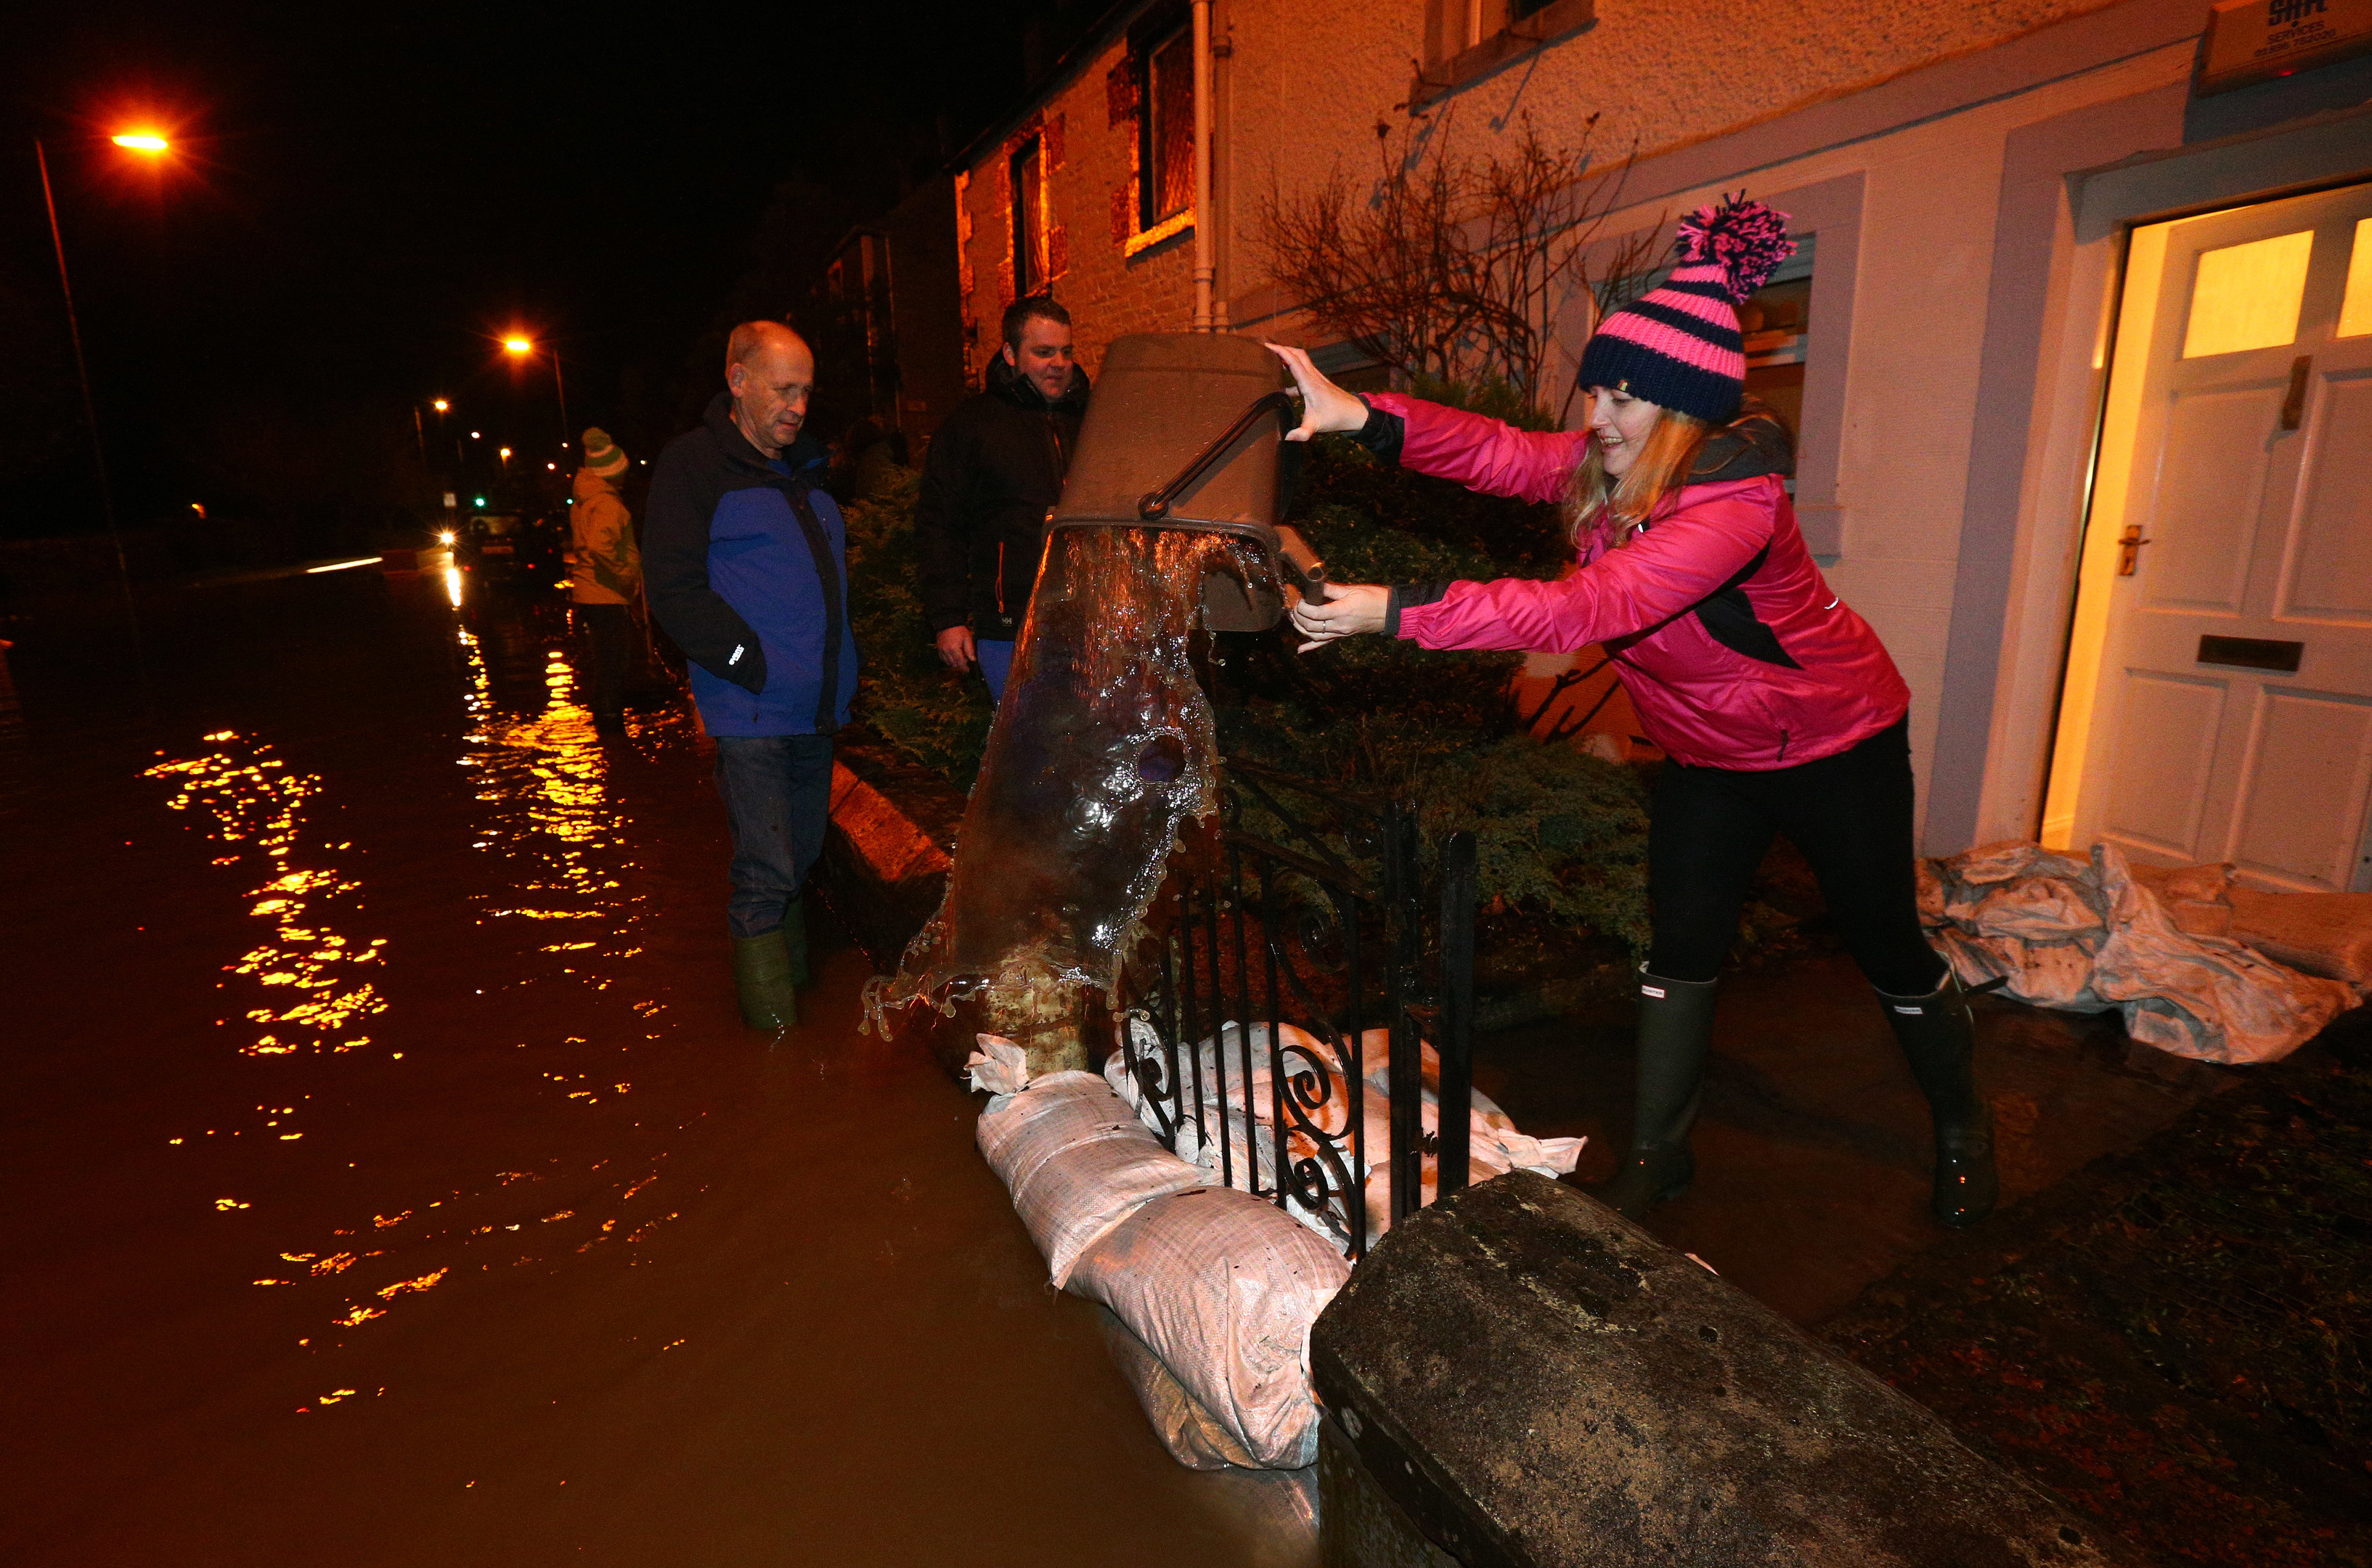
column 1223, row 1288
column 1237, row 1133
column 1194, row 1437
column 2324, row 933
column 1077, row 1162
column 2086, row 936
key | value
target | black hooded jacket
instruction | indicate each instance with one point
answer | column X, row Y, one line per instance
column 993, row 471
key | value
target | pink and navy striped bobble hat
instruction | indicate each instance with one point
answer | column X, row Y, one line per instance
column 1680, row 346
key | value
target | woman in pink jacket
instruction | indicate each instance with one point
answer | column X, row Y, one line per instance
column 1776, row 706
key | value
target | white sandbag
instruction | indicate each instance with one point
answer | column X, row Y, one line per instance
column 1223, row 1288
column 1077, row 1162
column 998, row 1067
column 2088, row 936
column 1237, row 1135
column 1194, row 1437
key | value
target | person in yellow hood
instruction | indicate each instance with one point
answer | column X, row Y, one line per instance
column 605, row 574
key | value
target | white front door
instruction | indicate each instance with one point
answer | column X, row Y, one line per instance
column 2219, row 695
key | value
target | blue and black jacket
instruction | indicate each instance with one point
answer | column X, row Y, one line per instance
column 745, row 561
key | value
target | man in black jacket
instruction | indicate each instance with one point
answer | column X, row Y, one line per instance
column 993, row 472
column 745, row 564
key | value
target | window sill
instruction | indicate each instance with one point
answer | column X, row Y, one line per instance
column 1168, row 228
column 1539, row 30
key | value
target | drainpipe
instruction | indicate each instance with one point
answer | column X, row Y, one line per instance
column 1205, row 270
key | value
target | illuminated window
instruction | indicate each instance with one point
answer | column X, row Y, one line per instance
column 1165, row 185
column 1029, row 219
column 2248, row 295
column 2356, row 310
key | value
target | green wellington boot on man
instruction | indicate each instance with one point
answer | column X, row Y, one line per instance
column 765, row 977
column 1675, row 1033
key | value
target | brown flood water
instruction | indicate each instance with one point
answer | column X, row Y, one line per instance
column 393, row 1182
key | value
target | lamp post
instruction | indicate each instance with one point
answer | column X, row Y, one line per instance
column 522, row 348
column 141, row 141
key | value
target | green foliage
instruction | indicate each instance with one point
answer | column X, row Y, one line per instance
column 906, row 692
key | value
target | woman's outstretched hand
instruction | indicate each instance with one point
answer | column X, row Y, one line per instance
column 1324, row 405
column 1348, row 610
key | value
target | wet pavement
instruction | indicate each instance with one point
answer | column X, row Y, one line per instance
column 394, row 1182
column 1812, row 1144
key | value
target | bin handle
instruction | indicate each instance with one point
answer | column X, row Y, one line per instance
column 1156, row 504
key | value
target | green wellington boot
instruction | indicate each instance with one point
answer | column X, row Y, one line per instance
column 1675, row 1032
column 794, row 937
column 1939, row 1037
column 763, row 970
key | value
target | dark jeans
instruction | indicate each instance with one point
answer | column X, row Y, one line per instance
column 1850, row 813
column 777, row 791
column 610, row 629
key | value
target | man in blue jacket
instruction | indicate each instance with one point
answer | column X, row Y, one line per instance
column 745, row 564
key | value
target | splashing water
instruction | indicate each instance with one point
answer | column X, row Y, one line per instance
column 1101, row 753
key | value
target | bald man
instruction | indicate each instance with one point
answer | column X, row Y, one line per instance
column 744, row 562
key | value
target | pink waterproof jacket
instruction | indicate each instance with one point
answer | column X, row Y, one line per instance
column 1733, row 650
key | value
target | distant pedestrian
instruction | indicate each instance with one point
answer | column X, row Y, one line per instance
column 1776, row 706
column 749, row 574
column 605, row 575
column 993, row 472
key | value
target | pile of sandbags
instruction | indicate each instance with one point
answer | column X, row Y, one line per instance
column 1240, row 1114
column 2324, row 933
column 2087, row 937
column 1218, row 1289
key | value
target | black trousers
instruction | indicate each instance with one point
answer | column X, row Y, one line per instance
column 1850, row 815
column 610, row 629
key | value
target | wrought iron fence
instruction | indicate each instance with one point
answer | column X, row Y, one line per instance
column 1251, row 935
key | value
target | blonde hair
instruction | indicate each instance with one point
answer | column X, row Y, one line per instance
column 1614, row 510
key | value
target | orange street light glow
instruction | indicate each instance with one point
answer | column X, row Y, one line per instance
column 518, row 346
column 142, row 142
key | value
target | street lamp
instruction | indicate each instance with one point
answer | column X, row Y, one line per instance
column 522, row 348
column 151, row 145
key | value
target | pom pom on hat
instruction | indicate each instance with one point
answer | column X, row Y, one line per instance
column 1681, row 345
column 1746, row 240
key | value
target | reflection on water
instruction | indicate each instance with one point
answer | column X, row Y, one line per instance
column 540, row 804
column 311, row 999
column 541, row 777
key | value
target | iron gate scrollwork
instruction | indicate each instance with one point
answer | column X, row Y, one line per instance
column 1251, row 937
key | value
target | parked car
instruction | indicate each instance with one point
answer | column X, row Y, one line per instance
column 512, row 548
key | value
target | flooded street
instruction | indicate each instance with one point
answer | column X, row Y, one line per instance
column 393, row 1180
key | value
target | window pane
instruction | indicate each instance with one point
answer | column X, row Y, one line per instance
column 2248, row 295
column 1169, row 182
column 1028, row 221
column 2356, row 310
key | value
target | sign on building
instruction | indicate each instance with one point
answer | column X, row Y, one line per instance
column 2255, row 41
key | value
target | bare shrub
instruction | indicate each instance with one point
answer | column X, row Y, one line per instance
column 1454, row 270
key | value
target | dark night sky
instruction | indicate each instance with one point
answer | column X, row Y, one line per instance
column 363, row 198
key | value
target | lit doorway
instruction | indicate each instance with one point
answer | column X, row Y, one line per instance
column 2219, row 698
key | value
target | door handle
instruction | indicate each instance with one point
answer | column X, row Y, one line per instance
column 2294, row 405
column 2129, row 549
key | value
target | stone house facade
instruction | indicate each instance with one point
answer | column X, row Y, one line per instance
column 1974, row 182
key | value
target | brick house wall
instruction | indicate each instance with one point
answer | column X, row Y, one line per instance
column 1087, row 132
